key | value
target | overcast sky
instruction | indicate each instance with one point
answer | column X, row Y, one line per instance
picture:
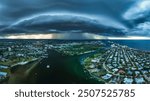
column 130, row 15
column 12, row 11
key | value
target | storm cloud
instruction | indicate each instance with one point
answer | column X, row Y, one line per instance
column 105, row 17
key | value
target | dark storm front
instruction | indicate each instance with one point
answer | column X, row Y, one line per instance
column 62, row 61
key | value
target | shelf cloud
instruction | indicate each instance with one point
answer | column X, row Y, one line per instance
column 98, row 17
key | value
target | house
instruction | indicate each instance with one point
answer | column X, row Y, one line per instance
column 137, row 72
column 128, row 80
column 94, row 70
column 3, row 75
column 107, row 76
column 3, row 67
column 92, row 66
column 121, row 71
column 139, row 80
column 95, row 60
column 129, row 72
column 115, row 70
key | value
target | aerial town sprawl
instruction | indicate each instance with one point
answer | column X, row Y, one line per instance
column 106, row 61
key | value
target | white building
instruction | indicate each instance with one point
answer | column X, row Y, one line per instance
column 128, row 80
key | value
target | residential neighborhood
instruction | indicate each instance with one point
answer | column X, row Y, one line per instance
column 113, row 63
column 121, row 64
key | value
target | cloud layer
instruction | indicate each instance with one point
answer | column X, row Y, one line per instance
column 102, row 17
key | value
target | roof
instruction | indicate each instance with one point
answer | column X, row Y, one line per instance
column 3, row 73
column 107, row 76
column 128, row 80
column 2, row 66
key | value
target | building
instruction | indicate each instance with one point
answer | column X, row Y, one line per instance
column 107, row 76
column 128, row 80
column 3, row 75
column 139, row 80
column 3, row 67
